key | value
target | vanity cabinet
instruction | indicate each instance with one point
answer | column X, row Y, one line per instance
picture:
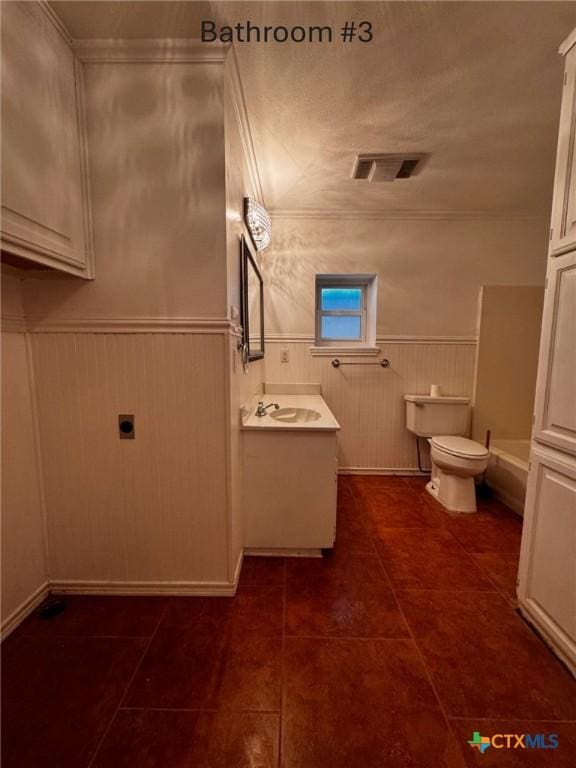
column 291, row 484
column 45, row 205
column 547, row 577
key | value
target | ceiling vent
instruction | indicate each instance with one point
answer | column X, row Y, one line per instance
column 385, row 167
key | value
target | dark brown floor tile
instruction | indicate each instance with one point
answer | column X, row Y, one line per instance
column 384, row 510
column 345, row 492
column 352, row 531
column 218, row 652
column 255, row 610
column 164, row 739
column 484, row 661
column 262, row 571
column 343, row 596
column 428, row 559
column 417, row 483
column 378, row 482
column 500, row 756
column 362, row 703
column 58, row 696
column 96, row 616
column 496, row 531
column 502, row 569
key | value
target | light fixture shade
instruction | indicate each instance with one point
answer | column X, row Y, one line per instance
column 258, row 222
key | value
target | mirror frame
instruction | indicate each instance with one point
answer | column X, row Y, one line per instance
column 247, row 261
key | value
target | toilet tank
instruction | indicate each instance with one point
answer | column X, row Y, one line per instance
column 429, row 416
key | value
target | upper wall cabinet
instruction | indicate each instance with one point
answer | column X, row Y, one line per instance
column 45, row 204
column 563, row 231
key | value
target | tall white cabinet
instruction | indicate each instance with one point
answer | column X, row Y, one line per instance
column 547, row 586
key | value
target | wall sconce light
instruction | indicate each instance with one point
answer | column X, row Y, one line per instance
column 258, row 223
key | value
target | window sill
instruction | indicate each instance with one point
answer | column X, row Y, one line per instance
column 343, row 350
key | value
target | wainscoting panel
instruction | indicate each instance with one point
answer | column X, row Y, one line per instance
column 24, row 571
column 152, row 509
column 368, row 401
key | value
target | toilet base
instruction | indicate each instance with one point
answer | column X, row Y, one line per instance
column 456, row 494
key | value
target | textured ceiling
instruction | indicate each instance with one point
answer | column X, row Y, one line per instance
column 474, row 85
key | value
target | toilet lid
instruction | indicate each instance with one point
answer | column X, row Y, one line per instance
column 460, row 446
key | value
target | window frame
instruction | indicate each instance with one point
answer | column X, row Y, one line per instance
column 342, row 281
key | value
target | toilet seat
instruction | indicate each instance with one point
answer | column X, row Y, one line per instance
column 459, row 446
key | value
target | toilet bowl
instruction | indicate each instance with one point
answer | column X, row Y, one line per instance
column 456, row 461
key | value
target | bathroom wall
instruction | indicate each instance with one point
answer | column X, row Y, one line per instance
column 241, row 180
column 24, row 567
column 150, row 336
column 509, row 321
column 156, row 153
column 429, row 277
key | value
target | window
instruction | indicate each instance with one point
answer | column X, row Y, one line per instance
column 345, row 313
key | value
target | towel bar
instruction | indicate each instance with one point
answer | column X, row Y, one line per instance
column 384, row 363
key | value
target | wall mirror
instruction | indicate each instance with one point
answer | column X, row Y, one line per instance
column 252, row 303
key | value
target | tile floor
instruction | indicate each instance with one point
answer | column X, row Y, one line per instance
column 389, row 654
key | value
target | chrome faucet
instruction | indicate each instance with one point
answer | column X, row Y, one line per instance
column 262, row 409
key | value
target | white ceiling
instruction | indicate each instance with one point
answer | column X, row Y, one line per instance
column 476, row 85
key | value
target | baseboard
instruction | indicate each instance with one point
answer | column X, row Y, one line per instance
column 403, row 471
column 515, row 504
column 24, row 609
column 238, row 569
column 550, row 633
column 199, row 588
column 281, row 552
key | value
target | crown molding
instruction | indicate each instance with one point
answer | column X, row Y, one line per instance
column 55, row 20
column 407, row 214
column 239, row 102
column 160, row 51
column 570, row 42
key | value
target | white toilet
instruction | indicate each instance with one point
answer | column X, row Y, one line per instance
column 456, row 461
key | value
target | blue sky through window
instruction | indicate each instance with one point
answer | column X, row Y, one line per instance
column 341, row 327
column 341, row 298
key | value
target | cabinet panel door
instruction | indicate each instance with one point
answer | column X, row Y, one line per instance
column 555, row 409
column 548, row 562
column 44, row 185
column 563, row 233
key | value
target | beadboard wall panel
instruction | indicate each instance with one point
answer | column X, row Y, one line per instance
column 24, row 570
column 368, row 401
column 24, row 562
column 150, row 510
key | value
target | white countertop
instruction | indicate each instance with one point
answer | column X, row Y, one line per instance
column 325, row 423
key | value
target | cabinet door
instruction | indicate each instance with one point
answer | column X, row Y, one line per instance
column 547, row 590
column 563, row 231
column 45, row 214
column 555, row 407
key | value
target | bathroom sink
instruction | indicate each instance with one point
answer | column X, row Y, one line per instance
column 295, row 415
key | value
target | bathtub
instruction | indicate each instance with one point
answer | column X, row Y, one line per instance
column 507, row 471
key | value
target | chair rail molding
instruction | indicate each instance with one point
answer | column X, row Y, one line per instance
column 147, row 51
column 407, row 214
column 295, row 338
column 202, row 325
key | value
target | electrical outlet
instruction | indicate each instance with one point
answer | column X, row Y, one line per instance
column 284, row 356
column 126, row 426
